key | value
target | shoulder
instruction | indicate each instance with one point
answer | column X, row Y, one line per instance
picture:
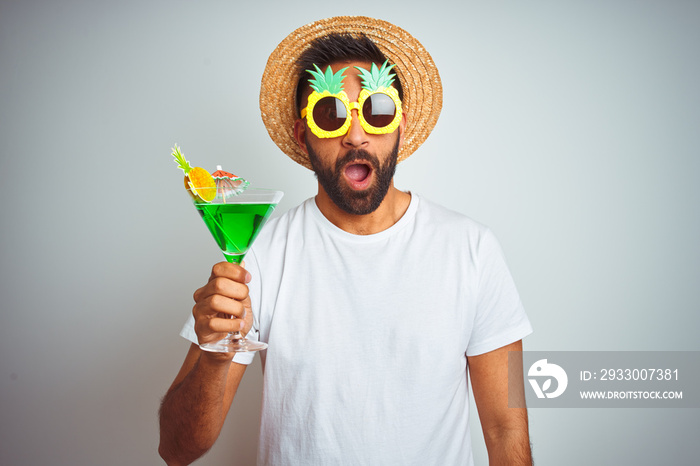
column 290, row 218
column 456, row 233
column 437, row 216
column 278, row 229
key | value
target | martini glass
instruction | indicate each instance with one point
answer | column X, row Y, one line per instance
column 234, row 222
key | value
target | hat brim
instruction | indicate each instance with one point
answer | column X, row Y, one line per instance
column 422, row 88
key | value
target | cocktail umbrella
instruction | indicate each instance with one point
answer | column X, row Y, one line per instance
column 228, row 184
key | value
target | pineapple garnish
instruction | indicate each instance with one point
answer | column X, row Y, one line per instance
column 199, row 182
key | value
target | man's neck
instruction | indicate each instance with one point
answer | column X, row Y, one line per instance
column 389, row 212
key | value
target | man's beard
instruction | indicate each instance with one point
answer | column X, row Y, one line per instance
column 351, row 201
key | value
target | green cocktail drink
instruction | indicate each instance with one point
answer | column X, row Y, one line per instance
column 234, row 226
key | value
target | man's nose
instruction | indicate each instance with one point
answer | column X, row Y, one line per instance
column 356, row 135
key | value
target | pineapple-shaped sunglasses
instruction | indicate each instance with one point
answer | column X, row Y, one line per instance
column 328, row 112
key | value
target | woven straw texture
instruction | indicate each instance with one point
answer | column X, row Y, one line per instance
column 422, row 88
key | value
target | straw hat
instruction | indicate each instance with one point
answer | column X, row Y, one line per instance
column 422, row 88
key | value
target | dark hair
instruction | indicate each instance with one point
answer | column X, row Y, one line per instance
column 336, row 47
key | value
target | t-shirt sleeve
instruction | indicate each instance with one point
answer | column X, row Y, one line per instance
column 499, row 317
column 188, row 333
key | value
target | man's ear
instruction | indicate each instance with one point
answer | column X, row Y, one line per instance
column 300, row 135
column 402, row 129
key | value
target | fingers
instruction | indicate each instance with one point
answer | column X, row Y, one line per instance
column 220, row 305
column 218, row 314
column 227, row 280
column 220, row 286
column 233, row 272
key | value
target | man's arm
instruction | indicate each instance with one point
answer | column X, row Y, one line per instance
column 195, row 407
column 193, row 410
column 505, row 429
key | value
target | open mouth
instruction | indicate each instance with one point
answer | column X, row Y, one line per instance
column 358, row 175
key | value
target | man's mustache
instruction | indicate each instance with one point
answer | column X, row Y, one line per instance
column 357, row 154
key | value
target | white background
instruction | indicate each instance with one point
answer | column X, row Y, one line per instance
column 570, row 128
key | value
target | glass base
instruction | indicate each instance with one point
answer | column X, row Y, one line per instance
column 229, row 345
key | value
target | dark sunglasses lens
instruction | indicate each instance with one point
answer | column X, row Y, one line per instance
column 330, row 113
column 379, row 110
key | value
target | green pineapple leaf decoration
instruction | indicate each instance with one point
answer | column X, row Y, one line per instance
column 377, row 78
column 182, row 164
column 333, row 83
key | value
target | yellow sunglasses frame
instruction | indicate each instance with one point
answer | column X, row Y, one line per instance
column 343, row 97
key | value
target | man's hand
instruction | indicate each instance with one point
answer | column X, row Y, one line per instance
column 223, row 305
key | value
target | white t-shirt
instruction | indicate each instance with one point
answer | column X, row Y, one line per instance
column 368, row 335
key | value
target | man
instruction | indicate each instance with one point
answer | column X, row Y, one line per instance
column 373, row 301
